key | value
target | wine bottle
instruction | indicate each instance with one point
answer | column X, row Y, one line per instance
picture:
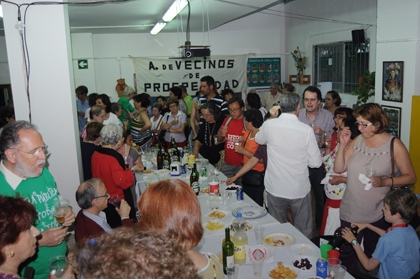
column 194, row 180
column 166, row 159
column 175, row 152
column 228, row 254
column 159, row 158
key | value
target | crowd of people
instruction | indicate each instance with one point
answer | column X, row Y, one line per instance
column 281, row 149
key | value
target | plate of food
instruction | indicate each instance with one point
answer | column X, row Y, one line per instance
column 232, row 188
column 214, row 225
column 250, row 211
column 147, row 172
column 305, row 264
column 217, row 214
column 204, row 191
column 279, row 239
column 283, row 271
column 302, row 249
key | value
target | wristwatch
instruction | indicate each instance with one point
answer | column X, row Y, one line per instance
column 353, row 242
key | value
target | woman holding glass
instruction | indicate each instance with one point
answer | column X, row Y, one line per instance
column 369, row 150
column 205, row 143
column 140, row 122
column 18, row 237
column 170, row 207
column 174, row 123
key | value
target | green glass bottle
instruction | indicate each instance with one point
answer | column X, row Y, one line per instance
column 228, row 251
column 159, row 158
column 194, row 180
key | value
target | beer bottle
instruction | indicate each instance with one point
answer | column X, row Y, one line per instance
column 175, row 152
column 166, row 159
column 194, row 177
column 159, row 158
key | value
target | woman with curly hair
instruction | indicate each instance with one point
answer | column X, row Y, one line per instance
column 135, row 255
column 170, row 207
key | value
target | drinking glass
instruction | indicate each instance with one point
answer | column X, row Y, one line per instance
column 257, row 260
column 58, row 265
column 115, row 201
column 259, row 234
column 370, row 171
column 61, row 209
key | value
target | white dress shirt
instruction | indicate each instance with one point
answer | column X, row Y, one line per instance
column 291, row 149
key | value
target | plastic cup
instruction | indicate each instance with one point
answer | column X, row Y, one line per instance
column 58, row 265
column 341, row 272
column 257, row 260
column 333, row 254
column 61, row 208
column 334, row 261
column 115, row 201
column 324, row 250
column 334, row 266
column 259, row 234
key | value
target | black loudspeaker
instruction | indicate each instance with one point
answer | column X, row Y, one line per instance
column 358, row 36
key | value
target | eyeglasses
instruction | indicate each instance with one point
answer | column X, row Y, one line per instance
column 36, row 151
column 362, row 124
column 206, row 115
column 103, row 196
column 311, row 100
column 234, row 109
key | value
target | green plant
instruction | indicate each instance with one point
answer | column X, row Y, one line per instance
column 366, row 88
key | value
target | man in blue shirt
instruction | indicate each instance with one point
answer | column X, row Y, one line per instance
column 82, row 105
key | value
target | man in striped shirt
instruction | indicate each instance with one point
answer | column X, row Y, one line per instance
column 208, row 88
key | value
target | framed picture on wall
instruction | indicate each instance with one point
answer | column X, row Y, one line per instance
column 394, row 114
column 392, row 81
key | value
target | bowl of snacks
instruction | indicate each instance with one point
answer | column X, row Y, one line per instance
column 305, row 263
column 283, row 271
column 214, row 225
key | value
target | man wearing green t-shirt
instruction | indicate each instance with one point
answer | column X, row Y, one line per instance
column 22, row 171
column 124, row 101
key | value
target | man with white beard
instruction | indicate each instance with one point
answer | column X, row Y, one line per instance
column 22, row 171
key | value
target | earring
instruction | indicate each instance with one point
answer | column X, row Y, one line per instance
column 11, row 255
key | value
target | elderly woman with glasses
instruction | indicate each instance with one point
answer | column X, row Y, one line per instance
column 372, row 149
column 109, row 166
column 206, row 141
column 332, row 101
column 174, row 123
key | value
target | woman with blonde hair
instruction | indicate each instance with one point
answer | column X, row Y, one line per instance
column 170, row 207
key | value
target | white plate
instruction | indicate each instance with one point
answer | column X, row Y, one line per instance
column 211, row 215
column 312, row 261
column 250, row 211
column 279, row 239
column 301, row 249
column 222, row 225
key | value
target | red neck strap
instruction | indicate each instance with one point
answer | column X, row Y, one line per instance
column 396, row 226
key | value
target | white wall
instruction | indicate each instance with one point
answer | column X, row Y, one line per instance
column 399, row 41
column 327, row 21
column 108, row 54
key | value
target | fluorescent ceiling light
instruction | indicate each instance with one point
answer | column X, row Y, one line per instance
column 174, row 10
column 1, row 11
column 158, row 26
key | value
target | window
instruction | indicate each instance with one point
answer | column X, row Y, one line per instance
column 341, row 63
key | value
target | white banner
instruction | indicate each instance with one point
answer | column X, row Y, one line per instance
column 156, row 76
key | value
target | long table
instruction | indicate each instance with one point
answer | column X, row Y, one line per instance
column 212, row 241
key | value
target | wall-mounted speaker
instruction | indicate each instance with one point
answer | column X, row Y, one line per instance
column 358, row 36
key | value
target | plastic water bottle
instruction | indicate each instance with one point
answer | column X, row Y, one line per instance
column 213, row 182
column 239, row 239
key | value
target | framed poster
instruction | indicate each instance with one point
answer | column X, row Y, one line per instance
column 394, row 114
column 263, row 71
column 392, row 80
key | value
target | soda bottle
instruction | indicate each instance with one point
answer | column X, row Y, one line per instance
column 228, row 254
column 159, row 158
column 240, row 239
column 213, row 182
column 194, row 177
column 166, row 159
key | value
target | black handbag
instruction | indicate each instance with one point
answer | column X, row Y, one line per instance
column 253, row 178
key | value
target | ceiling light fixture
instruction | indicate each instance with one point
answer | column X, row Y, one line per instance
column 158, row 27
column 176, row 7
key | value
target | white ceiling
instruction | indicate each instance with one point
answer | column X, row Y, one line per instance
column 139, row 16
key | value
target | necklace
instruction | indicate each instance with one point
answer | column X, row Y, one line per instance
column 210, row 135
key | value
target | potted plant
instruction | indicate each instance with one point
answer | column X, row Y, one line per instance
column 299, row 62
column 366, row 88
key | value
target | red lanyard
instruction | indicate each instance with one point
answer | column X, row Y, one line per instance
column 396, row 226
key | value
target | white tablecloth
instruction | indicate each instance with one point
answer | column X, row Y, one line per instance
column 212, row 241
